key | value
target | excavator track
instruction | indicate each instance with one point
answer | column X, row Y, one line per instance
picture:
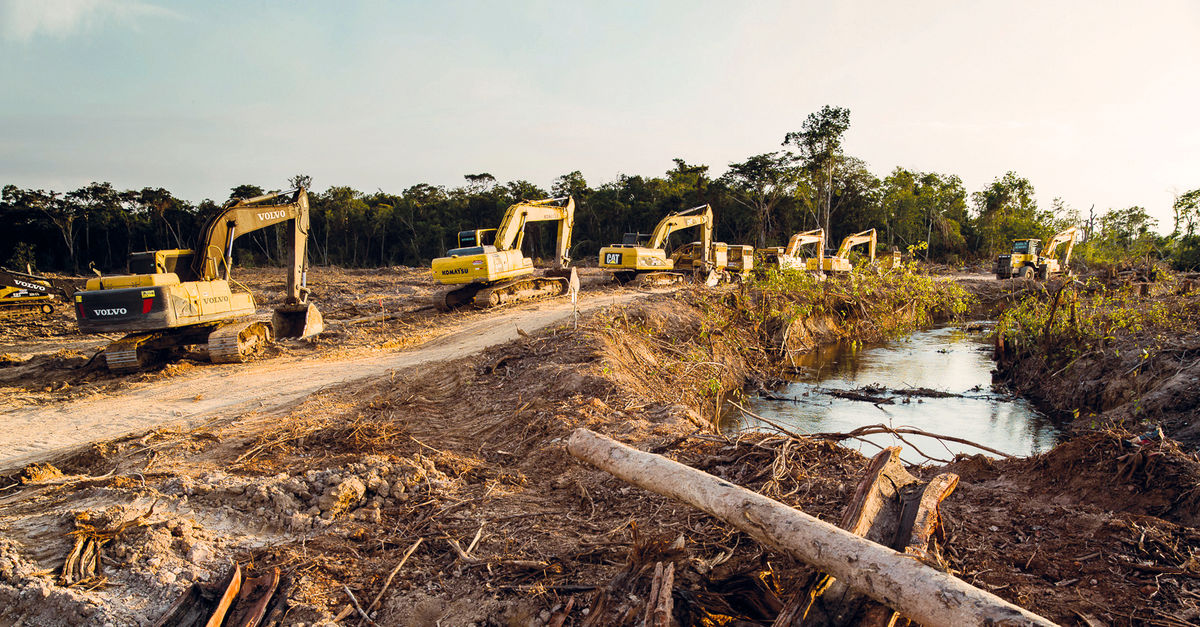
column 132, row 352
column 25, row 311
column 457, row 297
column 519, row 290
column 650, row 280
column 239, row 341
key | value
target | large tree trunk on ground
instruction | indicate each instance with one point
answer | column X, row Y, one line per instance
column 921, row 593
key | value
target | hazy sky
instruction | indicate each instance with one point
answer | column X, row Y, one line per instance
column 1095, row 102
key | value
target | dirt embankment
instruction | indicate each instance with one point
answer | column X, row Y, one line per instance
column 1109, row 353
column 467, row 458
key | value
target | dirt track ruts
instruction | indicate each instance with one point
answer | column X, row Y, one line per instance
column 32, row 433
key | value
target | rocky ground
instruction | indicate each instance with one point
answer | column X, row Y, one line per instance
column 461, row 464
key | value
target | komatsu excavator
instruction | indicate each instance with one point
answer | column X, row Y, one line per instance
column 840, row 261
column 491, row 270
column 26, row 295
column 788, row 257
column 646, row 259
column 1024, row 261
column 182, row 297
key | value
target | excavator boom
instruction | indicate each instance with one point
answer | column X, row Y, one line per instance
column 865, row 237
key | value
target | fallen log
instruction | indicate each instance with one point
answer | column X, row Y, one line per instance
column 920, row 593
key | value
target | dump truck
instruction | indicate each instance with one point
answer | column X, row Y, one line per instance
column 180, row 297
column 488, row 268
column 1027, row 262
column 644, row 257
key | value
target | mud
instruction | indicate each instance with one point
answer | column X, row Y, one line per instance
column 469, row 453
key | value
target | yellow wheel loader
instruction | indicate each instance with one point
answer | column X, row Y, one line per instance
column 645, row 259
column 182, row 297
column 840, row 261
column 25, row 295
column 490, row 269
column 788, row 257
column 1025, row 262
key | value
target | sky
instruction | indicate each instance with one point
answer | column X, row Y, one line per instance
column 1094, row 102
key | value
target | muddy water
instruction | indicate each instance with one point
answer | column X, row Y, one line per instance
column 947, row 359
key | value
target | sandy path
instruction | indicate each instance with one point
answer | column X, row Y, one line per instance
column 31, row 433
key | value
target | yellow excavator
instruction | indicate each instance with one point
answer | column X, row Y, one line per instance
column 840, row 261
column 645, row 259
column 27, row 295
column 1025, row 261
column 490, row 269
column 182, row 297
column 788, row 257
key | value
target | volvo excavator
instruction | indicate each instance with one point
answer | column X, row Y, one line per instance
column 788, row 257
column 1025, row 261
column 645, row 260
column 27, row 295
column 489, row 268
column 840, row 261
column 182, row 297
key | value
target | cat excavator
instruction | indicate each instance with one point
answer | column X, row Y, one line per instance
column 840, row 261
column 174, row 298
column 645, row 260
column 489, row 268
column 26, row 295
column 788, row 257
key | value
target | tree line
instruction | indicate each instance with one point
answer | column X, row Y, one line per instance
column 808, row 182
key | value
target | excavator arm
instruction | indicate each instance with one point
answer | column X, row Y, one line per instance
column 245, row 215
column 1069, row 237
column 696, row 216
column 511, row 233
column 865, row 237
column 815, row 236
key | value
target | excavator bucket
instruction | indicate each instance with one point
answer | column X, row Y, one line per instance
column 302, row 320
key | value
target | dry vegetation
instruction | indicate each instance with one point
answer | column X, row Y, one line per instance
column 463, row 467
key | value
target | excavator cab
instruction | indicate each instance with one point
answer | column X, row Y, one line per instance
column 476, row 238
column 177, row 261
column 1025, row 246
column 635, row 239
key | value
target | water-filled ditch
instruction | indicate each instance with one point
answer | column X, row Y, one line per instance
column 898, row 382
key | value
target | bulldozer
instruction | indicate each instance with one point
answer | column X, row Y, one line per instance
column 644, row 257
column 1026, row 262
column 24, row 295
column 788, row 257
column 180, row 297
column 489, row 268
column 839, row 262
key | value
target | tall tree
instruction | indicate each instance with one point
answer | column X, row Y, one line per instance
column 760, row 183
column 819, row 142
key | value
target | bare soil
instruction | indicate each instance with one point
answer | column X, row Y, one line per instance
column 461, row 448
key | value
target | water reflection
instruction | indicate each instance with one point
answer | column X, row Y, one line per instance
column 948, row 359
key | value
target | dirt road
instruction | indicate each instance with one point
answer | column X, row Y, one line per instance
column 31, row 433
